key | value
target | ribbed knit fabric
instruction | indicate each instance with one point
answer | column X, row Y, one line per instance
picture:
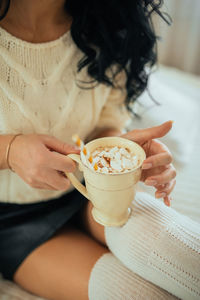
column 160, row 245
column 111, row 280
column 12, row 291
column 39, row 93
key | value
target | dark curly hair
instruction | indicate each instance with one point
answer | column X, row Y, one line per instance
column 116, row 33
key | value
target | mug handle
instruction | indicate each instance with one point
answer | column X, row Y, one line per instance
column 76, row 183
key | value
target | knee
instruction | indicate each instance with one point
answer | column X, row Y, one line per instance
column 149, row 222
column 110, row 279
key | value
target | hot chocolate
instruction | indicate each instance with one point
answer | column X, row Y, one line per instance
column 112, row 160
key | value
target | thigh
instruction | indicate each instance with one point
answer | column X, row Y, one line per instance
column 89, row 225
column 60, row 268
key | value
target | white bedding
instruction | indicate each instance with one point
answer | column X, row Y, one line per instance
column 179, row 94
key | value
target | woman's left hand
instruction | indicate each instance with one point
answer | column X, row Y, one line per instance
column 157, row 168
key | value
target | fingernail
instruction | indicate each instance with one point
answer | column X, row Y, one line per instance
column 147, row 166
column 161, row 195
column 150, row 182
column 73, row 147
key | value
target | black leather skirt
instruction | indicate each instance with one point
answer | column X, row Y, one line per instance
column 24, row 227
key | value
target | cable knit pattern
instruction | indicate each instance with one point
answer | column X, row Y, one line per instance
column 160, row 245
column 39, row 93
column 111, row 280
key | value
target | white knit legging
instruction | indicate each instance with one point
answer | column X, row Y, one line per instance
column 156, row 244
column 111, row 280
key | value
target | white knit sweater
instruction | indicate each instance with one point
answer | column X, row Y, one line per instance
column 39, row 93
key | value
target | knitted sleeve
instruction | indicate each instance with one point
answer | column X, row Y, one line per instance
column 114, row 113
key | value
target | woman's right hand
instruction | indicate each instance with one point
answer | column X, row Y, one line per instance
column 40, row 161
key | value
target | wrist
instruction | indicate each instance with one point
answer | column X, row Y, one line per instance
column 8, row 149
column 4, row 140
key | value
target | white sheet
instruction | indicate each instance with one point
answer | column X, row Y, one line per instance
column 179, row 96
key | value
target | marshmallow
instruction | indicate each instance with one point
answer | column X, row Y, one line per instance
column 95, row 153
column 116, row 165
column 104, row 162
column 126, row 163
column 113, row 160
column 104, row 170
column 124, row 152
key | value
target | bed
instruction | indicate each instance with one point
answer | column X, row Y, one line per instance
column 179, row 96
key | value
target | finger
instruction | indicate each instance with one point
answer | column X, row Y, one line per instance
column 57, row 180
column 44, row 186
column 161, row 187
column 162, row 178
column 167, row 201
column 157, row 160
column 155, row 147
column 61, row 162
column 59, row 146
column 142, row 135
column 167, row 190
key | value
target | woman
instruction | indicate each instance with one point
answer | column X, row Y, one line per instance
column 50, row 244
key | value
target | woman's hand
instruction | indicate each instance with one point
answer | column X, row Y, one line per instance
column 157, row 169
column 40, row 160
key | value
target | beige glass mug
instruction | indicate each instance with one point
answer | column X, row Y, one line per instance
column 111, row 194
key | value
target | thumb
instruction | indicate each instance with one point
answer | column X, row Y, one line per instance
column 59, row 146
column 142, row 135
